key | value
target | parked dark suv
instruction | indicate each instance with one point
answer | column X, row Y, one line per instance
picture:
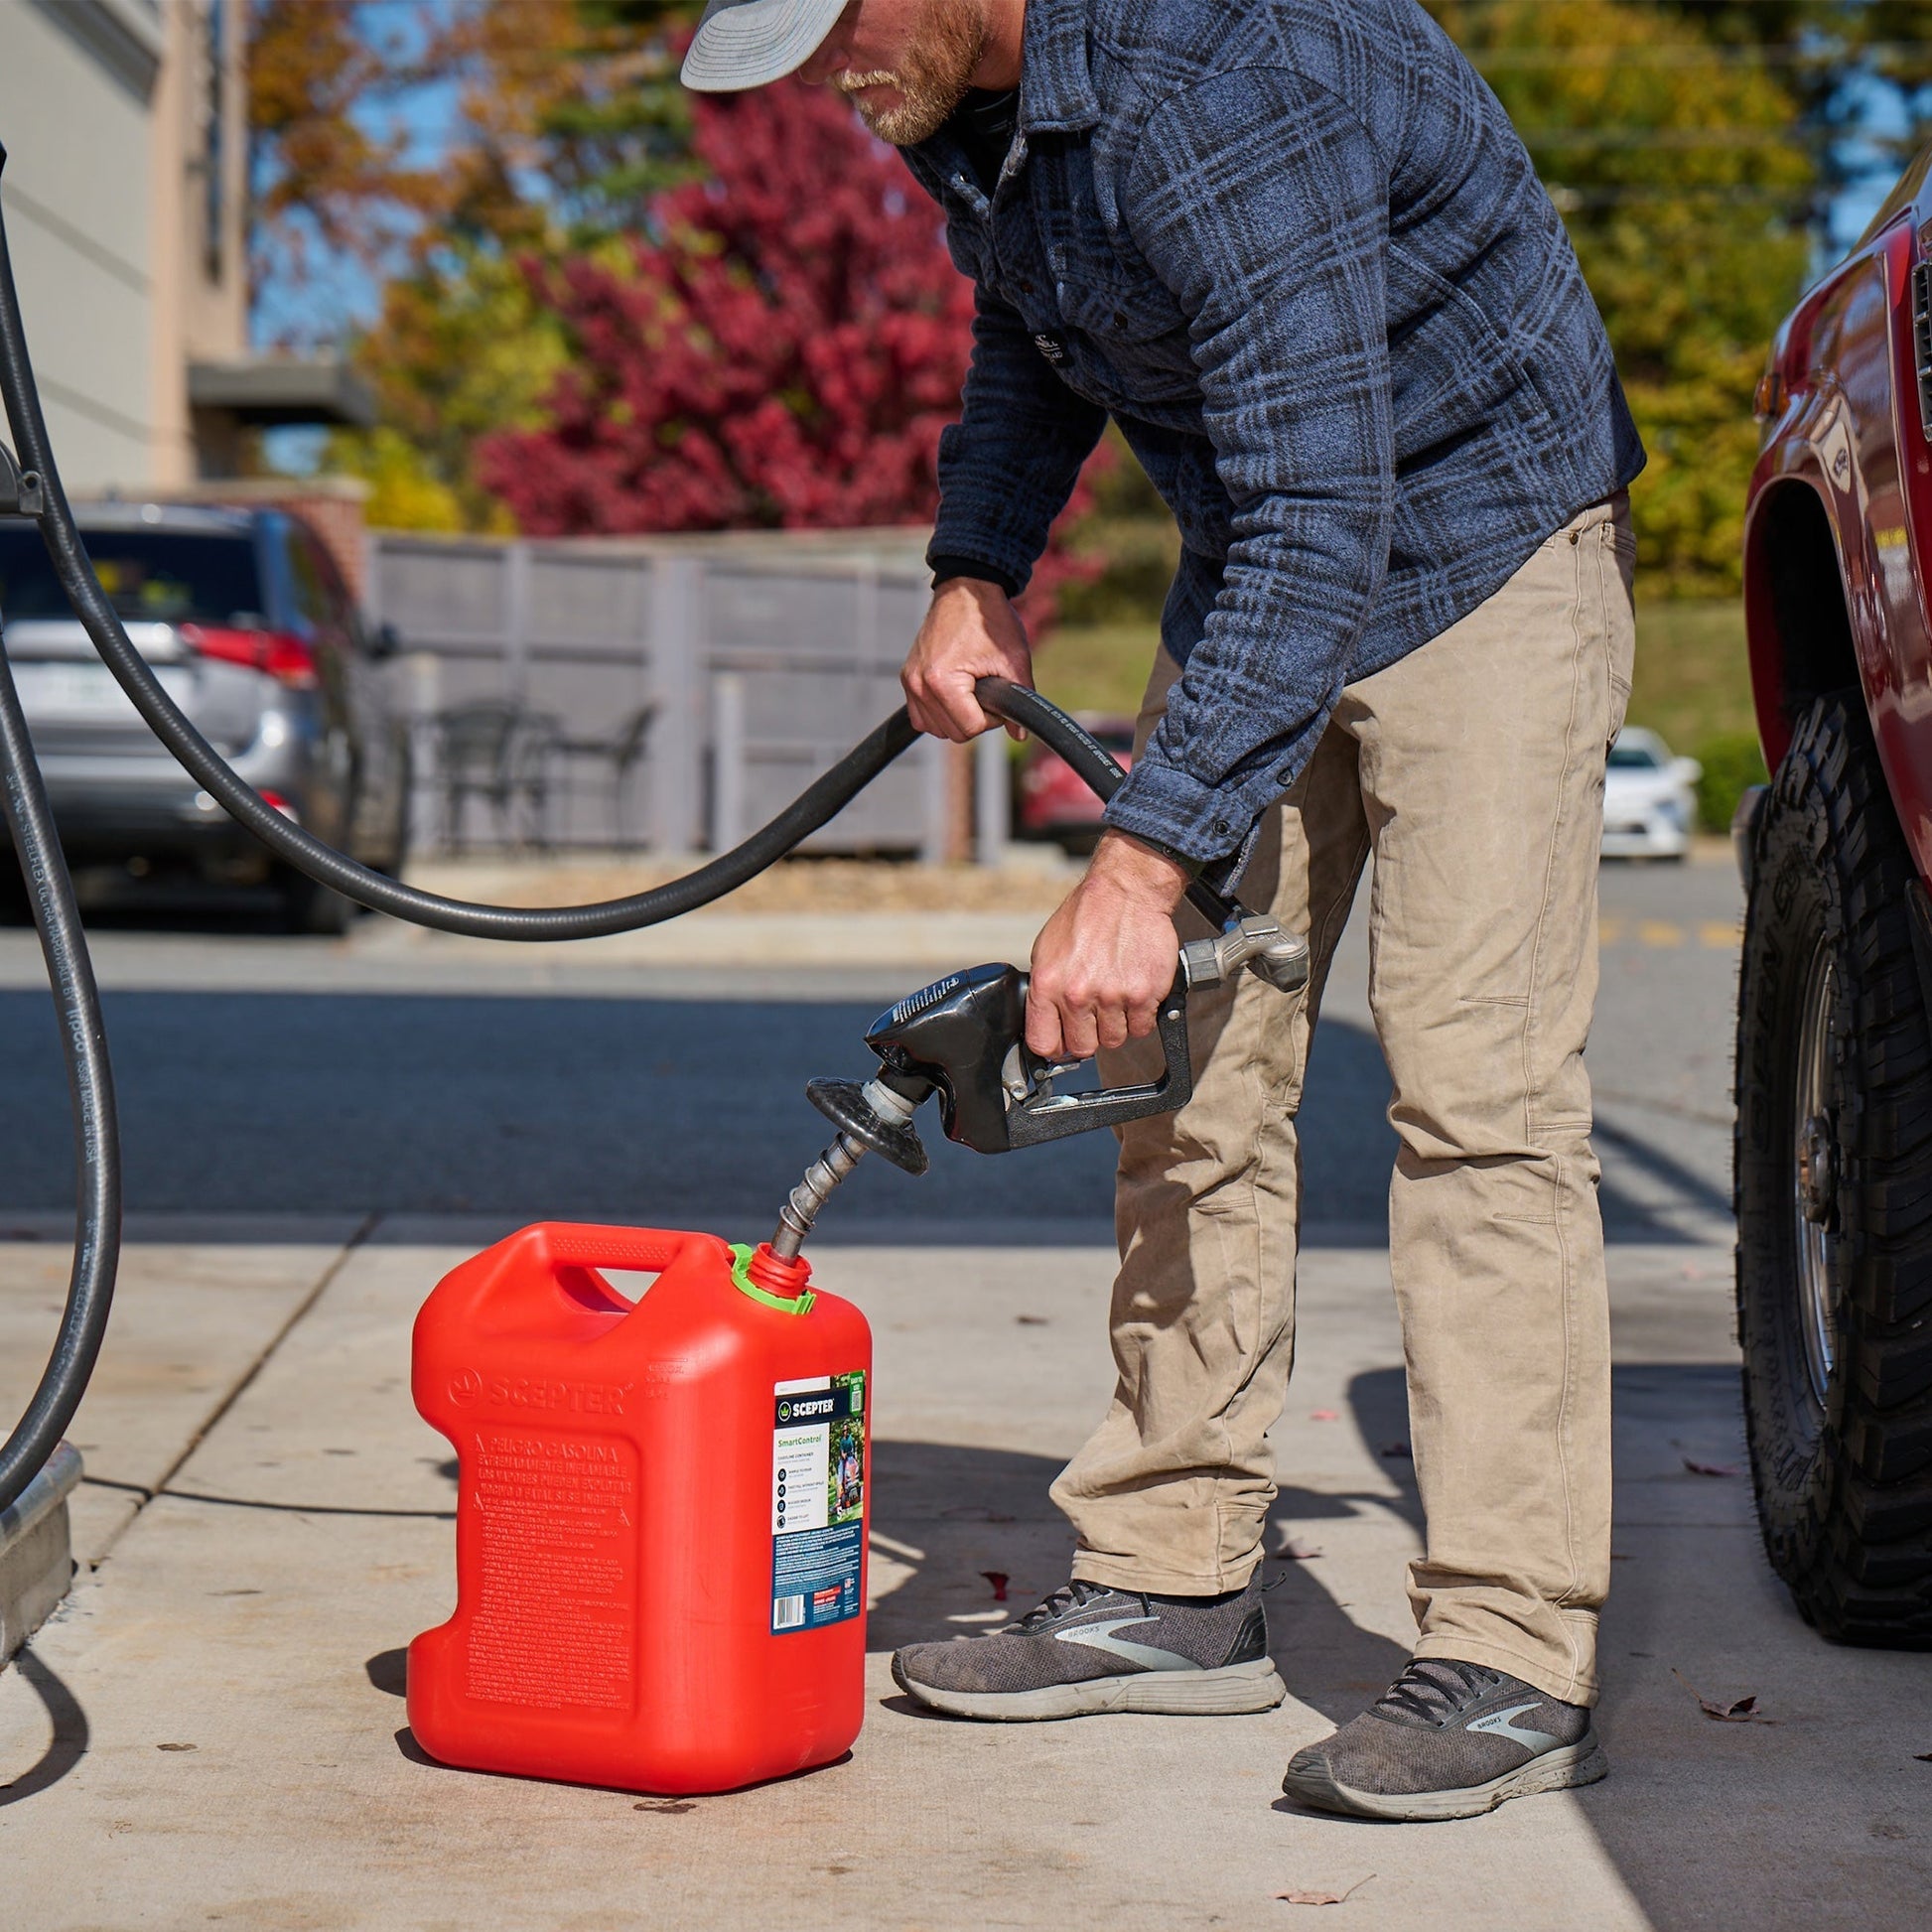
column 248, row 623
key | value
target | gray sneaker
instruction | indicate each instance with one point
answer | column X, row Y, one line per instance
column 1089, row 1648
column 1448, row 1740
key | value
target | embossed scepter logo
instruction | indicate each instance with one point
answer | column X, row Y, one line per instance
column 465, row 1385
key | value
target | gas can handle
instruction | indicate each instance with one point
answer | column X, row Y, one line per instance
column 573, row 1244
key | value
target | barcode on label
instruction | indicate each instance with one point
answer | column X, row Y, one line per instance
column 788, row 1612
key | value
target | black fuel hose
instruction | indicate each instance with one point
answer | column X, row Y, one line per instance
column 1103, row 774
column 91, row 1086
column 98, row 1152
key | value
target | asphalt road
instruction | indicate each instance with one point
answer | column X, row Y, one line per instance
column 260, row 1075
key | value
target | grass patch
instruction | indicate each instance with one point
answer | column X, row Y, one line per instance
column 1692, row 682
column 1097, row 667
column 1692, row 685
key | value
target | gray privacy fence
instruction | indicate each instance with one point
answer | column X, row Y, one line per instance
column 763, row 658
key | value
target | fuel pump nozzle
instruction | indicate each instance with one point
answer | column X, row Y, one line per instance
column 963, row 1038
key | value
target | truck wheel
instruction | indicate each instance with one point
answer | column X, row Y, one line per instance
column 1833, row 1192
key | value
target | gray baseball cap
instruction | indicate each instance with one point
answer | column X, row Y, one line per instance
column 746, row 43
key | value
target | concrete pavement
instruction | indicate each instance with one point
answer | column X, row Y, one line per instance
column 211, row 1732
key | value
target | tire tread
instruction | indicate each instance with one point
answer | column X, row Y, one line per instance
column 1848, row 1514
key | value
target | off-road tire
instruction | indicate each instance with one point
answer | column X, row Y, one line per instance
column 1844, row 1477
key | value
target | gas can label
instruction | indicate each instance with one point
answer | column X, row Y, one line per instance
column 555, row 1620
column 818, row 1500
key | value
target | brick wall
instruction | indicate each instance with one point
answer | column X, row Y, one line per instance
column 330, row 505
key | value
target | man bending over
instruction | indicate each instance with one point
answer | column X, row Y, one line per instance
column 1295, row 251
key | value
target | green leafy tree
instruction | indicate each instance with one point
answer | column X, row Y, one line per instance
column 1840, row 61
column 1687, row 183
column 568, row 120
column 620, row 132
column 463, row 350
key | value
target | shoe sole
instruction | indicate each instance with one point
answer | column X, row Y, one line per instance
column 1231, row 1690
column 1582, row 1762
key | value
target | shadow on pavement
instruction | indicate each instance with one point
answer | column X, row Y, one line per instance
column 975, row 1514
column 388, row 1672
column 1617, row 1142
column 72, row 1733
column 1809, row 1819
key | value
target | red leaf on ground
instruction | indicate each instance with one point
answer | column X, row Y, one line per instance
column 1922, row 1758
column 1396, row 1452
column 1322, row 1898
column 1740, row 1710
column 999, row 1580
column 1323, row 1415
column 1298, row 1549
column 1709, row 1468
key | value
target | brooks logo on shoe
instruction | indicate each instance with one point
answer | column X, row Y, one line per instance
column 1497, row 1725
column 1100, row 1636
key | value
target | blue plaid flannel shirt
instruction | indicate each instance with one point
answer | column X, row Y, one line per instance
column 1297, row 252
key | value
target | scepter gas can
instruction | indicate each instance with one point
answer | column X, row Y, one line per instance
column 662, row 1514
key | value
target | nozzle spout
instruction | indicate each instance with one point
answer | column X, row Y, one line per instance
column 802, row 1207
column 888, row 1114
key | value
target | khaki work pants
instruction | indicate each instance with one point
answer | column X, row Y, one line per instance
column 1473, row 773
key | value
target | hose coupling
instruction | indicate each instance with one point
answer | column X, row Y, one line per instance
column 1257, row 941
column 20, row 490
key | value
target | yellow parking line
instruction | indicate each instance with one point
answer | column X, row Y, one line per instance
column 1719, row 935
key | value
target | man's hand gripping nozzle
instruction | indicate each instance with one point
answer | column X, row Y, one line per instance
column 964, row 1038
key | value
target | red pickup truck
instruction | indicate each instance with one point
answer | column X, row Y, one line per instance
column 1834, row 1069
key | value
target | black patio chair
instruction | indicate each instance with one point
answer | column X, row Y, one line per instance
column 622, row 753
column 497, row 751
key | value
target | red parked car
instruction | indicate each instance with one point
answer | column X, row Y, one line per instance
column 1055, row 800
column 1834, row 1069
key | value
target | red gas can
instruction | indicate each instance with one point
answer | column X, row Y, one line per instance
column 662, row 1514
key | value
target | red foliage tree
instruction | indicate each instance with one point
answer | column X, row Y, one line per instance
column 781, row 351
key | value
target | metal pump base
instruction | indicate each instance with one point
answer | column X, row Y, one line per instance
column 36, row 1551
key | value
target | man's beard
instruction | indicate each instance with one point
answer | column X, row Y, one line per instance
column 937, row 71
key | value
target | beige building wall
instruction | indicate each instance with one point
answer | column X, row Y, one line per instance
column 107, row 108
column 199, row 145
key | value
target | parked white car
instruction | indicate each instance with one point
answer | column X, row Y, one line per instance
column 1649, row 800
